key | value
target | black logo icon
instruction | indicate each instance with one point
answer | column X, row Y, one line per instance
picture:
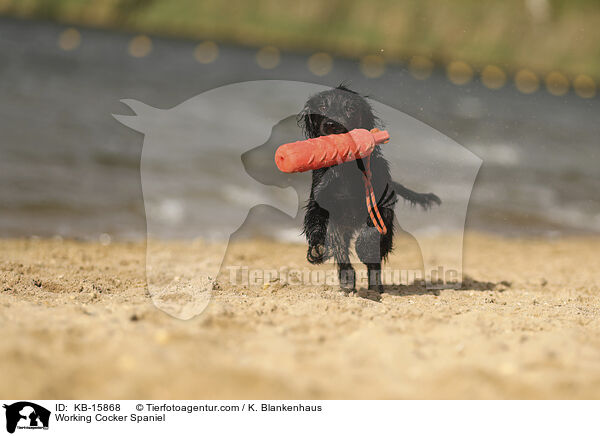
column 26, row 415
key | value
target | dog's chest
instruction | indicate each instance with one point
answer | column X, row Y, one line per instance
column 348, row 200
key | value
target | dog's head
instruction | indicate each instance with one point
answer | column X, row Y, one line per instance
column 335, row 111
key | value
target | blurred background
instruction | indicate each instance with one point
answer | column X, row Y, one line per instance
column 513, row 81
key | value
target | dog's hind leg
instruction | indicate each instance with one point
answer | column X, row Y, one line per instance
column 371, row 247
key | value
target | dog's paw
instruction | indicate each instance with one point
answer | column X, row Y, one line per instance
column 378, row 287
column 316, row 254
column 347, row 280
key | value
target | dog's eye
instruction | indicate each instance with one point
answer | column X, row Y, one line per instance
column 322, row 108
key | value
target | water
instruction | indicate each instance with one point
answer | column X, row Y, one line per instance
column 68, row 168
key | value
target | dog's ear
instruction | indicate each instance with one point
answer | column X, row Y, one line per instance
column 306, row 122
column 301, row 119
column 367, row 115
column 367, row 119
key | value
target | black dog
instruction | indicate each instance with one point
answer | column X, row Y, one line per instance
column 336, row 210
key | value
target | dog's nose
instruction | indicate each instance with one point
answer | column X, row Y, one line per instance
column 330, row 127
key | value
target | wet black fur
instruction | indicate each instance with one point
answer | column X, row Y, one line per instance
column 336, row 210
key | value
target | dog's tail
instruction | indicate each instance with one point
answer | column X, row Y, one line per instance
column 426, row 201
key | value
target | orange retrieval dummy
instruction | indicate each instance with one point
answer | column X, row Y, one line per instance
column 326, row 151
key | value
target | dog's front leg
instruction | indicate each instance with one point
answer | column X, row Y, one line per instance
column 371, row 247
column 316, row 221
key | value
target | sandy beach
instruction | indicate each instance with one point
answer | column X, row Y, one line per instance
column 78, row 323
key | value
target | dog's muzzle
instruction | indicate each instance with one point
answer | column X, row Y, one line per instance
column 330, row 127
